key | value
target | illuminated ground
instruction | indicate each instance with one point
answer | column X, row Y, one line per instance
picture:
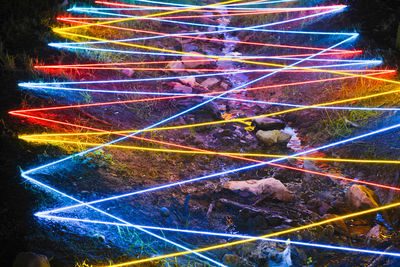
column 152, row 141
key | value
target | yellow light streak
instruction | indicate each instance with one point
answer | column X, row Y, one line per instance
column 42, row 140
column 343, row 217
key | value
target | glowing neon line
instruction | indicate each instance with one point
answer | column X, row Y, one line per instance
column 154, row 15
column 252, row 12
column 206, row 152
column 164, row 239
column 182, row 95
column 279, row 112
column 178, row 95
column 179, row 114
column 194, row 70
column 364, row 212
column 288, row 242
column 200, row 104
column 258, row 10
column 228, row 29
column 188, row 252
column 209, row 176
column 60, row 46
column 310, row 69
column 243, row 61
column 216, row 153
column 146, row 7
column 104, row 65
column 256, row 28
column 116, row 218
column 249, row 28
column 224, row 6
column 187, row 36
column 231, row 29
column 181, row 5
column 223, row 245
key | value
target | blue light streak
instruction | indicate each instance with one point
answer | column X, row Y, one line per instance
column 240, row 236
column 152, row 79
column 143, row 228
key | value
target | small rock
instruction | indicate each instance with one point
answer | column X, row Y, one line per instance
column 273, row 137
column 100, row 237
column 209, row 82
column 211, row 109
column 190, row 81
column 236, row 261
column 189, row 46
column 199, row 60
column 164, row 212
column 270, row 186
column 317, row 205
column 361, row 197
column 224, row 85
column 351, row 124
column 176, row 66
column 178, row 87
column 128, row 72
column 375, row 232
column 267, row 124
column 30, row 259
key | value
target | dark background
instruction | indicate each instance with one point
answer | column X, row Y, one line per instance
column 24, row 32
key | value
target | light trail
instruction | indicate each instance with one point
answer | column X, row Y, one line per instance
column 282, row 68
column 217, row 234
column 369, row 161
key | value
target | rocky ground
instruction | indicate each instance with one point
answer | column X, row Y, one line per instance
column 254, row 202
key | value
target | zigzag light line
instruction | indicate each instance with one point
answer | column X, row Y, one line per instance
column 279, row 68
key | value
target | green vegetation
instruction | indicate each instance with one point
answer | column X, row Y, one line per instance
column 339, row 124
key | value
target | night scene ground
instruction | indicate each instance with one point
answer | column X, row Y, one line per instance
column 243, row 133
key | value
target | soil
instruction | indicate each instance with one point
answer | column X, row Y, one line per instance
column 202, row 205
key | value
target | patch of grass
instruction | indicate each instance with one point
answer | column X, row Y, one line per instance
column 83, row 264
column 97, row 159
column 339, row 126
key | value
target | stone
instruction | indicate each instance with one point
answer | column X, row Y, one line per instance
column 318, row 205
column 100, row 237
column 209, row 82
column 224, row 85
column 375, row 232
column 270, row 186
column 211, row 109
column 232, row 260
column 128, row 72
column 267, row 124
column 273, row 137
column 351, row 124
column 200, row 60
column 189, row 46
column 177, row 65
column 178, row 87
column 165, row 212
column 190, row 81
column 361, row 197
column 30, row 259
